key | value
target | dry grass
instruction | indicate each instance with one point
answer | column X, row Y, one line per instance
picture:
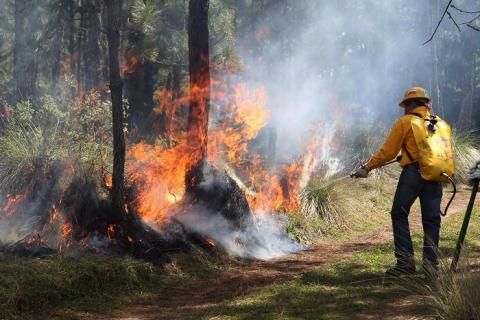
column 455, row 295
column 467, row 152
column 339, row 208
column 321, row 199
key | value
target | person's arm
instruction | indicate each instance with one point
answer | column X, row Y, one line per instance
column 391, row 147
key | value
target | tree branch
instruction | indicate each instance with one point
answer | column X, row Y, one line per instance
column 470, row 21
column 463, row 11
column 439, row 22
column 473, row 27
column 454, row 22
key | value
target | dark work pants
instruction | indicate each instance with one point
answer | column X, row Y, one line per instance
column 410, row 186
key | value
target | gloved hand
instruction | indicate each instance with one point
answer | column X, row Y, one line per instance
column 361, row 172
column 474, row 172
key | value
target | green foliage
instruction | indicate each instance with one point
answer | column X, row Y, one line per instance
column 145, row 15
column 36, row 138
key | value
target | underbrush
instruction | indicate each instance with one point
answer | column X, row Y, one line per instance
column 54, row 135
column 58, row 286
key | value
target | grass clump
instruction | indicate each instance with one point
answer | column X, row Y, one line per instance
column 456, row 296
column 466, row 147
column 338, row 208
column 321, row 199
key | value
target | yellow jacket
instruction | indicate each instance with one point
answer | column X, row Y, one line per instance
column 400, row 136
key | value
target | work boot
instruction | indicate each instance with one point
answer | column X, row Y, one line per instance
column 400, row 270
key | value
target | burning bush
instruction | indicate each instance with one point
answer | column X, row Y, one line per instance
column 43, row 148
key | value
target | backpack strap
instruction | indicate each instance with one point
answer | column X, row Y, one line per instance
column 416, row 114
column 409, row 155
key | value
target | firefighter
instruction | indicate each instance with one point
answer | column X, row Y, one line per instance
column 410, row 186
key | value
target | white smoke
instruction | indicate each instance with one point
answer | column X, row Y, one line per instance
column 263, row 239
column 344, row 62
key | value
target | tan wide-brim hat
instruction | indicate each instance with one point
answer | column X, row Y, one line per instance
column 414, row 93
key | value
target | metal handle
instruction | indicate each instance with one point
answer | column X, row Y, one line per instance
column 466, row 220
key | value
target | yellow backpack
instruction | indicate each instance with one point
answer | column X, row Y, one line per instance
column 434, row 142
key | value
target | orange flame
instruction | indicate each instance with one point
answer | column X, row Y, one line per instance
column 158, row 171
column 129, row 67
column 211, row 243
column 111, row 230
column 11, row 207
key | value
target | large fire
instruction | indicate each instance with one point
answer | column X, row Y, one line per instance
column 157, row 171
column 237, row 116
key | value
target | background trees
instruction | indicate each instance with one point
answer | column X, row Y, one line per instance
column 60, row 48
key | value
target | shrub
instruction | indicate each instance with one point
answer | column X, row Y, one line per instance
column 35, row 138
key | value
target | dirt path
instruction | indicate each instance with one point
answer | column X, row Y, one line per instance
column 181, row 303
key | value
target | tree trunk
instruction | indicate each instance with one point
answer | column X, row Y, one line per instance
column 70, row 34
column 58, row 40
column 176, row 81
column 199, row 70
column 24, row 66
column 116, row 86
column 134, row 76
column 91, row 48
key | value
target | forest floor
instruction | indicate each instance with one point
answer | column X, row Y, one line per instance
column 332, row 280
